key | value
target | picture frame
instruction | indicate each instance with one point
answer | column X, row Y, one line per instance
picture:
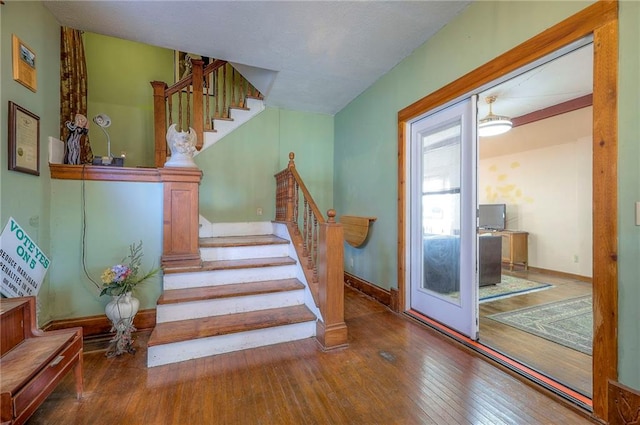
column 24, row 64
column 24, row 140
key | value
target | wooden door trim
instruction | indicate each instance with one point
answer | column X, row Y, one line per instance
column 601, row 20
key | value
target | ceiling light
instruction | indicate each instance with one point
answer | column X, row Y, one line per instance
column 492, row 124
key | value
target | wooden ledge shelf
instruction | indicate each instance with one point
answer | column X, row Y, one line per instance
column 356, row 229
column 123, row 174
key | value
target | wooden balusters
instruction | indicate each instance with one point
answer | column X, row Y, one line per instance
column 320, row 248
column 202, row 96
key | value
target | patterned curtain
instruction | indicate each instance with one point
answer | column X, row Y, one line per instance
column 73, row 87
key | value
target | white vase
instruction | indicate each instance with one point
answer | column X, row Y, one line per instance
column 121, row 310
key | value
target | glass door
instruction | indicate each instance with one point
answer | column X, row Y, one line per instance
column 443, row 217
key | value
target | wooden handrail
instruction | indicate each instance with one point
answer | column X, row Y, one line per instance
column 319, row 244
column 196, row 100
column 307, row 195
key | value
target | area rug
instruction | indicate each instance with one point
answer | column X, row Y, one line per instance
column 568, row 322
column 509, row 286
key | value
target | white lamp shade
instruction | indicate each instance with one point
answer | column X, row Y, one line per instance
column 102, row 120
column 493, row 125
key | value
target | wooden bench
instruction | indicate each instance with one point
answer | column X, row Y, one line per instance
column 32, row 362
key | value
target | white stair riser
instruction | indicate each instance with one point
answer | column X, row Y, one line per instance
column 223, row 306
column 224, row 127
column 244, row 252
column 208, row 229
column 203, row 347
column 227, row 276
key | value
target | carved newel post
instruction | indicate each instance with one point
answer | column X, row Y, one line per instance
column 331, row 332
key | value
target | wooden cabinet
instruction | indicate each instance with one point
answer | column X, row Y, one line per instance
column 515, row 247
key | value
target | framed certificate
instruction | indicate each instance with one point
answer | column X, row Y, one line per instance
column 24, row 140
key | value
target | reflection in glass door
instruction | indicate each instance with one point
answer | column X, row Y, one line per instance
column 443, row 196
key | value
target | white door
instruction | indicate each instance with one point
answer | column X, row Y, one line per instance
column 442, row 228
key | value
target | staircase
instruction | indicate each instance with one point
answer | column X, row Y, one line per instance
column 237, row 117
column 214, row 100
column 250, row 291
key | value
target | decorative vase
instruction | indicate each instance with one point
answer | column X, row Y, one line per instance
column 121, row 310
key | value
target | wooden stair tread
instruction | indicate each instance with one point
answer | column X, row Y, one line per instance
column 185, row 330
column 234, row 241
column 249, row 263
column 240, row 108
column 174, row 296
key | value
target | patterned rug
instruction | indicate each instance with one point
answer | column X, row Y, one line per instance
column 509, row 286
column 568, row 322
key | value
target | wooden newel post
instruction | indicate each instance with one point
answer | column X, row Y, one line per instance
column 198, row 114
column 331, row 332
column 290, row 190
column 159, row 122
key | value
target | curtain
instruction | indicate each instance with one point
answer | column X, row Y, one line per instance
column 73, row 87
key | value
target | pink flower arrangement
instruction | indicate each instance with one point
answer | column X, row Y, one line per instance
column 122, row 278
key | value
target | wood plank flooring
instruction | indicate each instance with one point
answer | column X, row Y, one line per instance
column 395, row 371
column 570, row 367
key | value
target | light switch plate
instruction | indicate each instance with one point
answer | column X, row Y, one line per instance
column 637, row 213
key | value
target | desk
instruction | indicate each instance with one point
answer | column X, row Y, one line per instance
column 515, row 247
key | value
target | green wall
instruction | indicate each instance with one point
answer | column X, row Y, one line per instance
column 119, row 76
column 628, row 194
column 105, row 218
column 238, row 170
column 25, row 197
column 365, row 152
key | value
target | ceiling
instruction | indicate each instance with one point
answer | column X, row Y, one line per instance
column 564, row 78
column 314, row 56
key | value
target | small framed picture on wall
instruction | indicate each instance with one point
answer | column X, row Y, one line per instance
column 24, row 64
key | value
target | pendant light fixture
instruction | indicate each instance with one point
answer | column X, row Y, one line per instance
column 492, row 124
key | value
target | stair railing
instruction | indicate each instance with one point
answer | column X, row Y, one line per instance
column 319, row 244
column 208, row 93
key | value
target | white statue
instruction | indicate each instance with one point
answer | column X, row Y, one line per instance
column 182, row 146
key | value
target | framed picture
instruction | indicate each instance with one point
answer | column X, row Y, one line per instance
column 24, row 64
column 24, row 140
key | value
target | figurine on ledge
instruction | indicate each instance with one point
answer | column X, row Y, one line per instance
column 72, row 148
column 182, row 146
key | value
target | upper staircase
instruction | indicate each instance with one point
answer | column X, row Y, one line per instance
column 249, row 291
column 214, row 100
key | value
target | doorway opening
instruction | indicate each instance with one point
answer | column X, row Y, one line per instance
column 600, row 21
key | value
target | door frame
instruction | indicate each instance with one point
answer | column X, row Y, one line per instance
column 601, row 21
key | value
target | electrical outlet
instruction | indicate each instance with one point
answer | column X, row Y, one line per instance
column 576, row 259
column 259, row 211
column 34, row 221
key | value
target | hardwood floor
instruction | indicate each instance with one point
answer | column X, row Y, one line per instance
column 570, row 367
column 395, row 371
